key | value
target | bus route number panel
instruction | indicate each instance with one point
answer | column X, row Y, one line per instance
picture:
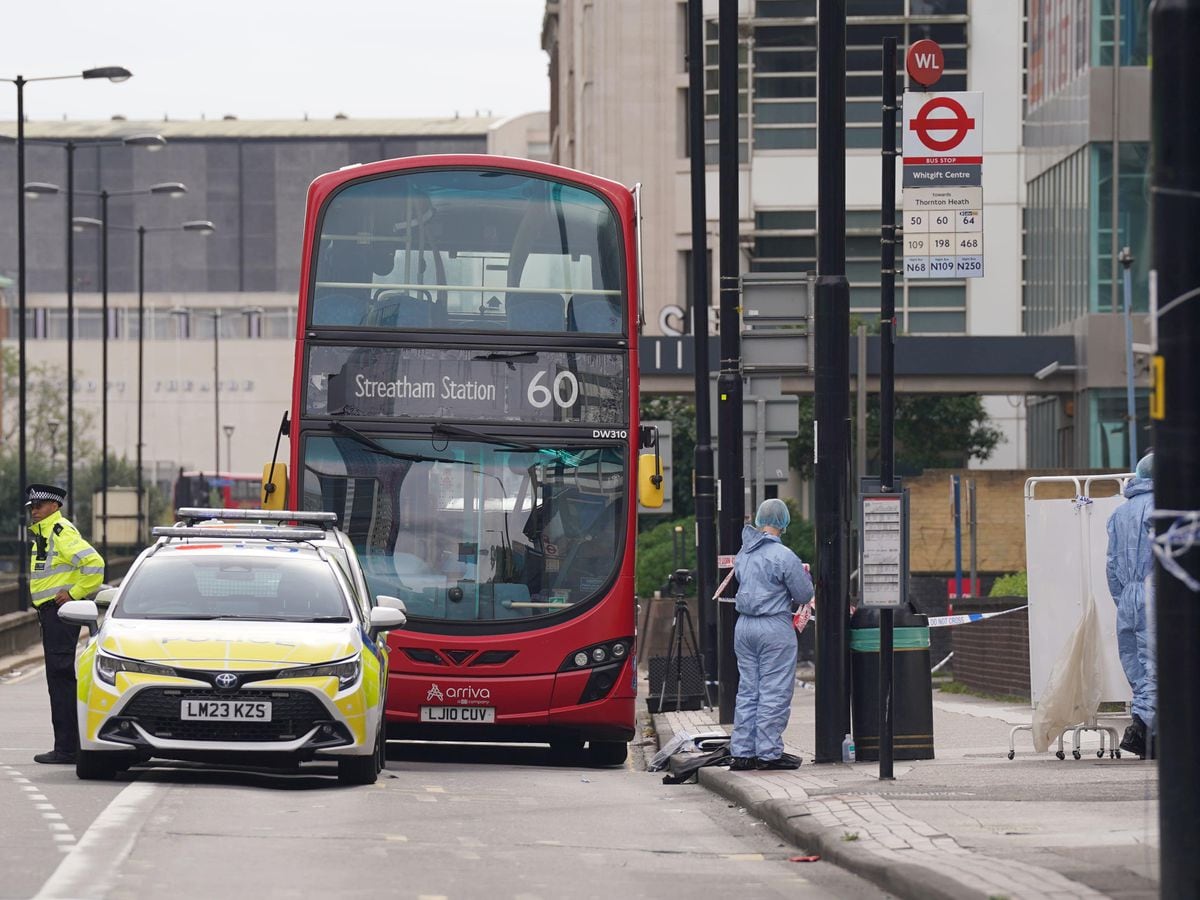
column 538, row 386
column 943, row 232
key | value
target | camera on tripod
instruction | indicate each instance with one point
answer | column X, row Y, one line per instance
column 679, row 581
column 678, row 680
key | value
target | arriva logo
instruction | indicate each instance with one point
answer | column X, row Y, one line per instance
column 610, row 433
column 466, row 692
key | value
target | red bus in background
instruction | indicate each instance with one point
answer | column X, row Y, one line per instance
column 224, row 490
column 465, row 398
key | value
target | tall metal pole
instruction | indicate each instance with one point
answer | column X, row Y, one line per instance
column 1126, row 260
column 832, row 387
column 22, row 474
column 729, row 382
column 705, row 486
column 141, row 232
column 1175, row 168
column 104, row 376
column 216, row 393
column 70, row 148
column 887, row 381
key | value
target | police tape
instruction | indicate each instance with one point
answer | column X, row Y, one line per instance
column 943, row 621
column 940, row 621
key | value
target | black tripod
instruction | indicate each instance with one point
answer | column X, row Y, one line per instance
column 683, row 638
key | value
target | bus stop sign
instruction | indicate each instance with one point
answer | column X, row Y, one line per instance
column 924, row 62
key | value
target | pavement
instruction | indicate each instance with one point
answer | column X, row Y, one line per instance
column 969, row 823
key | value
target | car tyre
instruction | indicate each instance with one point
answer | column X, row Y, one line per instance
column 607, row 753
column 94, row 765
column 380, row 752
column 361, row 769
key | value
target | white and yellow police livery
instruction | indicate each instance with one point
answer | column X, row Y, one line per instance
column 237, row 638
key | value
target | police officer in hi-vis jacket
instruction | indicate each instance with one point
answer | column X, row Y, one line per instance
column 62, row 566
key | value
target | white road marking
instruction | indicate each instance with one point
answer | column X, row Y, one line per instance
column 59, row 831
column 90, row 869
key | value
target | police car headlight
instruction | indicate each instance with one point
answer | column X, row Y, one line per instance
column 346, row 671
column 107, row 668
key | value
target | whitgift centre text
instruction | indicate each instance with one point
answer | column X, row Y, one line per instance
column 403, row 389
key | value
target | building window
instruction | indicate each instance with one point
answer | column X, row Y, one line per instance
column 1109, row 444
column 783, row 68
column 785, row 240
column 1133, row 231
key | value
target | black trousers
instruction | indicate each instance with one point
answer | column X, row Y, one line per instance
column 59, row 641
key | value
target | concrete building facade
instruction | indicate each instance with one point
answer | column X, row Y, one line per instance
column 1086, row 130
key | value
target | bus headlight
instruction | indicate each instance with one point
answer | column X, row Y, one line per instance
column 597, row 655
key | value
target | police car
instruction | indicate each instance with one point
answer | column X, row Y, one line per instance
column 240, row 636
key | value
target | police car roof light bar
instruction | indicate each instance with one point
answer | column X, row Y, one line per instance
column 310, row 517
column 239, row 532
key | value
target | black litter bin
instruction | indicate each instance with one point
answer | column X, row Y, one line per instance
column 912, row 686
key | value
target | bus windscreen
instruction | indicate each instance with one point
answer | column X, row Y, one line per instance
column 474, row 531
column 470, row 250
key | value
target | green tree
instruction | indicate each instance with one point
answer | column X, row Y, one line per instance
column 45, row 434
column 931, row 431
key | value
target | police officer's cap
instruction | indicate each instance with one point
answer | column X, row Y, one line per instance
column 36, row 492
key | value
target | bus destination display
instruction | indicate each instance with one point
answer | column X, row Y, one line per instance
column 466, row 385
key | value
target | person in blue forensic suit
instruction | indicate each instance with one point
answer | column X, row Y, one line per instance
column 772, row 584
column 1130, row 560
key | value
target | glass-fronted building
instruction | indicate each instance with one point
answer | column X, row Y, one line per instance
column 1087, row 133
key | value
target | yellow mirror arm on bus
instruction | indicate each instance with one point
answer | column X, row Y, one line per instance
column 274, row 486
column 650, row 480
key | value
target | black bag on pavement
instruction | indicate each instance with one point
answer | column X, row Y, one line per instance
column 685, row 767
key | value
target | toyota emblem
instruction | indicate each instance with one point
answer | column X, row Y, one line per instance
column 226, row 681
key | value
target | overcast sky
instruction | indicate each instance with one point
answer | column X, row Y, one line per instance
column 260, row 59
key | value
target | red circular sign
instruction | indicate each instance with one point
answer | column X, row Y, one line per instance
column 959, row 124
column 924, row 62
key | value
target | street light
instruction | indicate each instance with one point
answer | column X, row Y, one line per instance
column 112, row 73
column 152, row 142
column 196, row 226
column 229, row 449
column 216, row 317
column 171, row 189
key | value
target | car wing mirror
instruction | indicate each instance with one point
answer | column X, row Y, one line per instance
column 385, row 618
column 80, row 612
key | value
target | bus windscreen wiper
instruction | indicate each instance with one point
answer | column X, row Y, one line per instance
column 440, row 427
column 563, row 456
column 508, row 357
column 374, row 445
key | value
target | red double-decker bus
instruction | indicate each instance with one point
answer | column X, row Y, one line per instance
column 466, row 400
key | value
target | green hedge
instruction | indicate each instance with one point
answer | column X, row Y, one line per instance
column 1015, row 584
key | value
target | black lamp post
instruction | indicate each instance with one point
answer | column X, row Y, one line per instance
column 151, row 142
column 112, row 73
column 172, row 189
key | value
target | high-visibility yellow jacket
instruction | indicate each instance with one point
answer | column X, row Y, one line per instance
column 61, row 558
